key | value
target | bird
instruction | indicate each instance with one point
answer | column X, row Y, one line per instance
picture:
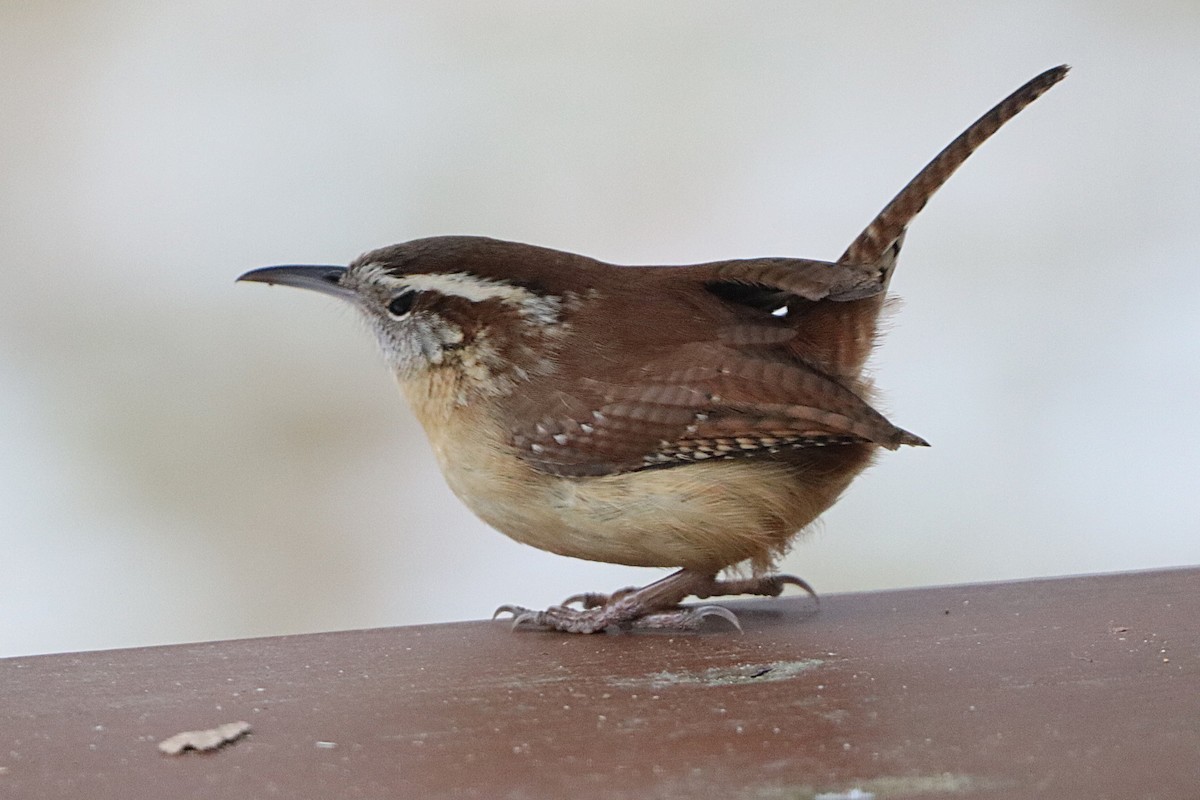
column 695, row 417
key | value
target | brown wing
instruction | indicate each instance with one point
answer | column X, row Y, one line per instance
column 819, row 314
column 810, row 280
column 703, row 401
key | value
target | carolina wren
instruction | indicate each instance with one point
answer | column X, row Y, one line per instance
column 695, row 416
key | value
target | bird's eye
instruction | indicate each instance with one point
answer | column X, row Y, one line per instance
column 401, row 304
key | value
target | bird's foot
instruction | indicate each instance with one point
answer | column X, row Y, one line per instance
column 763, row 586
column 618, row 614
column 653, row 607
column 595, row 599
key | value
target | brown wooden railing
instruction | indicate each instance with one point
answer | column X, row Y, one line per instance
column 1082, row 687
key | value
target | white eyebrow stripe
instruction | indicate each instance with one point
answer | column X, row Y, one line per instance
column 469, row 287
column 472, row 288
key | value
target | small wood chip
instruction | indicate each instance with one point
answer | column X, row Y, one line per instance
column 210, row 739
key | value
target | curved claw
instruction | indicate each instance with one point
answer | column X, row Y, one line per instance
column 681, row 618
column 521, row 616
column 587, row 599
column 798, row 582
column 528, row 617
column 507, row 608
column 718, row 611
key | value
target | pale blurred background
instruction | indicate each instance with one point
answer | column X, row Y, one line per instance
column 183, row 458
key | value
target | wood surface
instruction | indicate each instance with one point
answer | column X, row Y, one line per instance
column 1084, row 687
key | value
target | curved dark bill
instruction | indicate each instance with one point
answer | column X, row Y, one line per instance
column 321, row 279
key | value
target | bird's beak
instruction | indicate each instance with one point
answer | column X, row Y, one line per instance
column 327, row 280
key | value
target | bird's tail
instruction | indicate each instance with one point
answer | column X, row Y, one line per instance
column 881, row 240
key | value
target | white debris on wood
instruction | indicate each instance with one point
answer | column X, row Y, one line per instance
column 204, row 740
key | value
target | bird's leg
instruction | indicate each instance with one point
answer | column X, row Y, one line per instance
column 655, row 606
column 763, row 585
